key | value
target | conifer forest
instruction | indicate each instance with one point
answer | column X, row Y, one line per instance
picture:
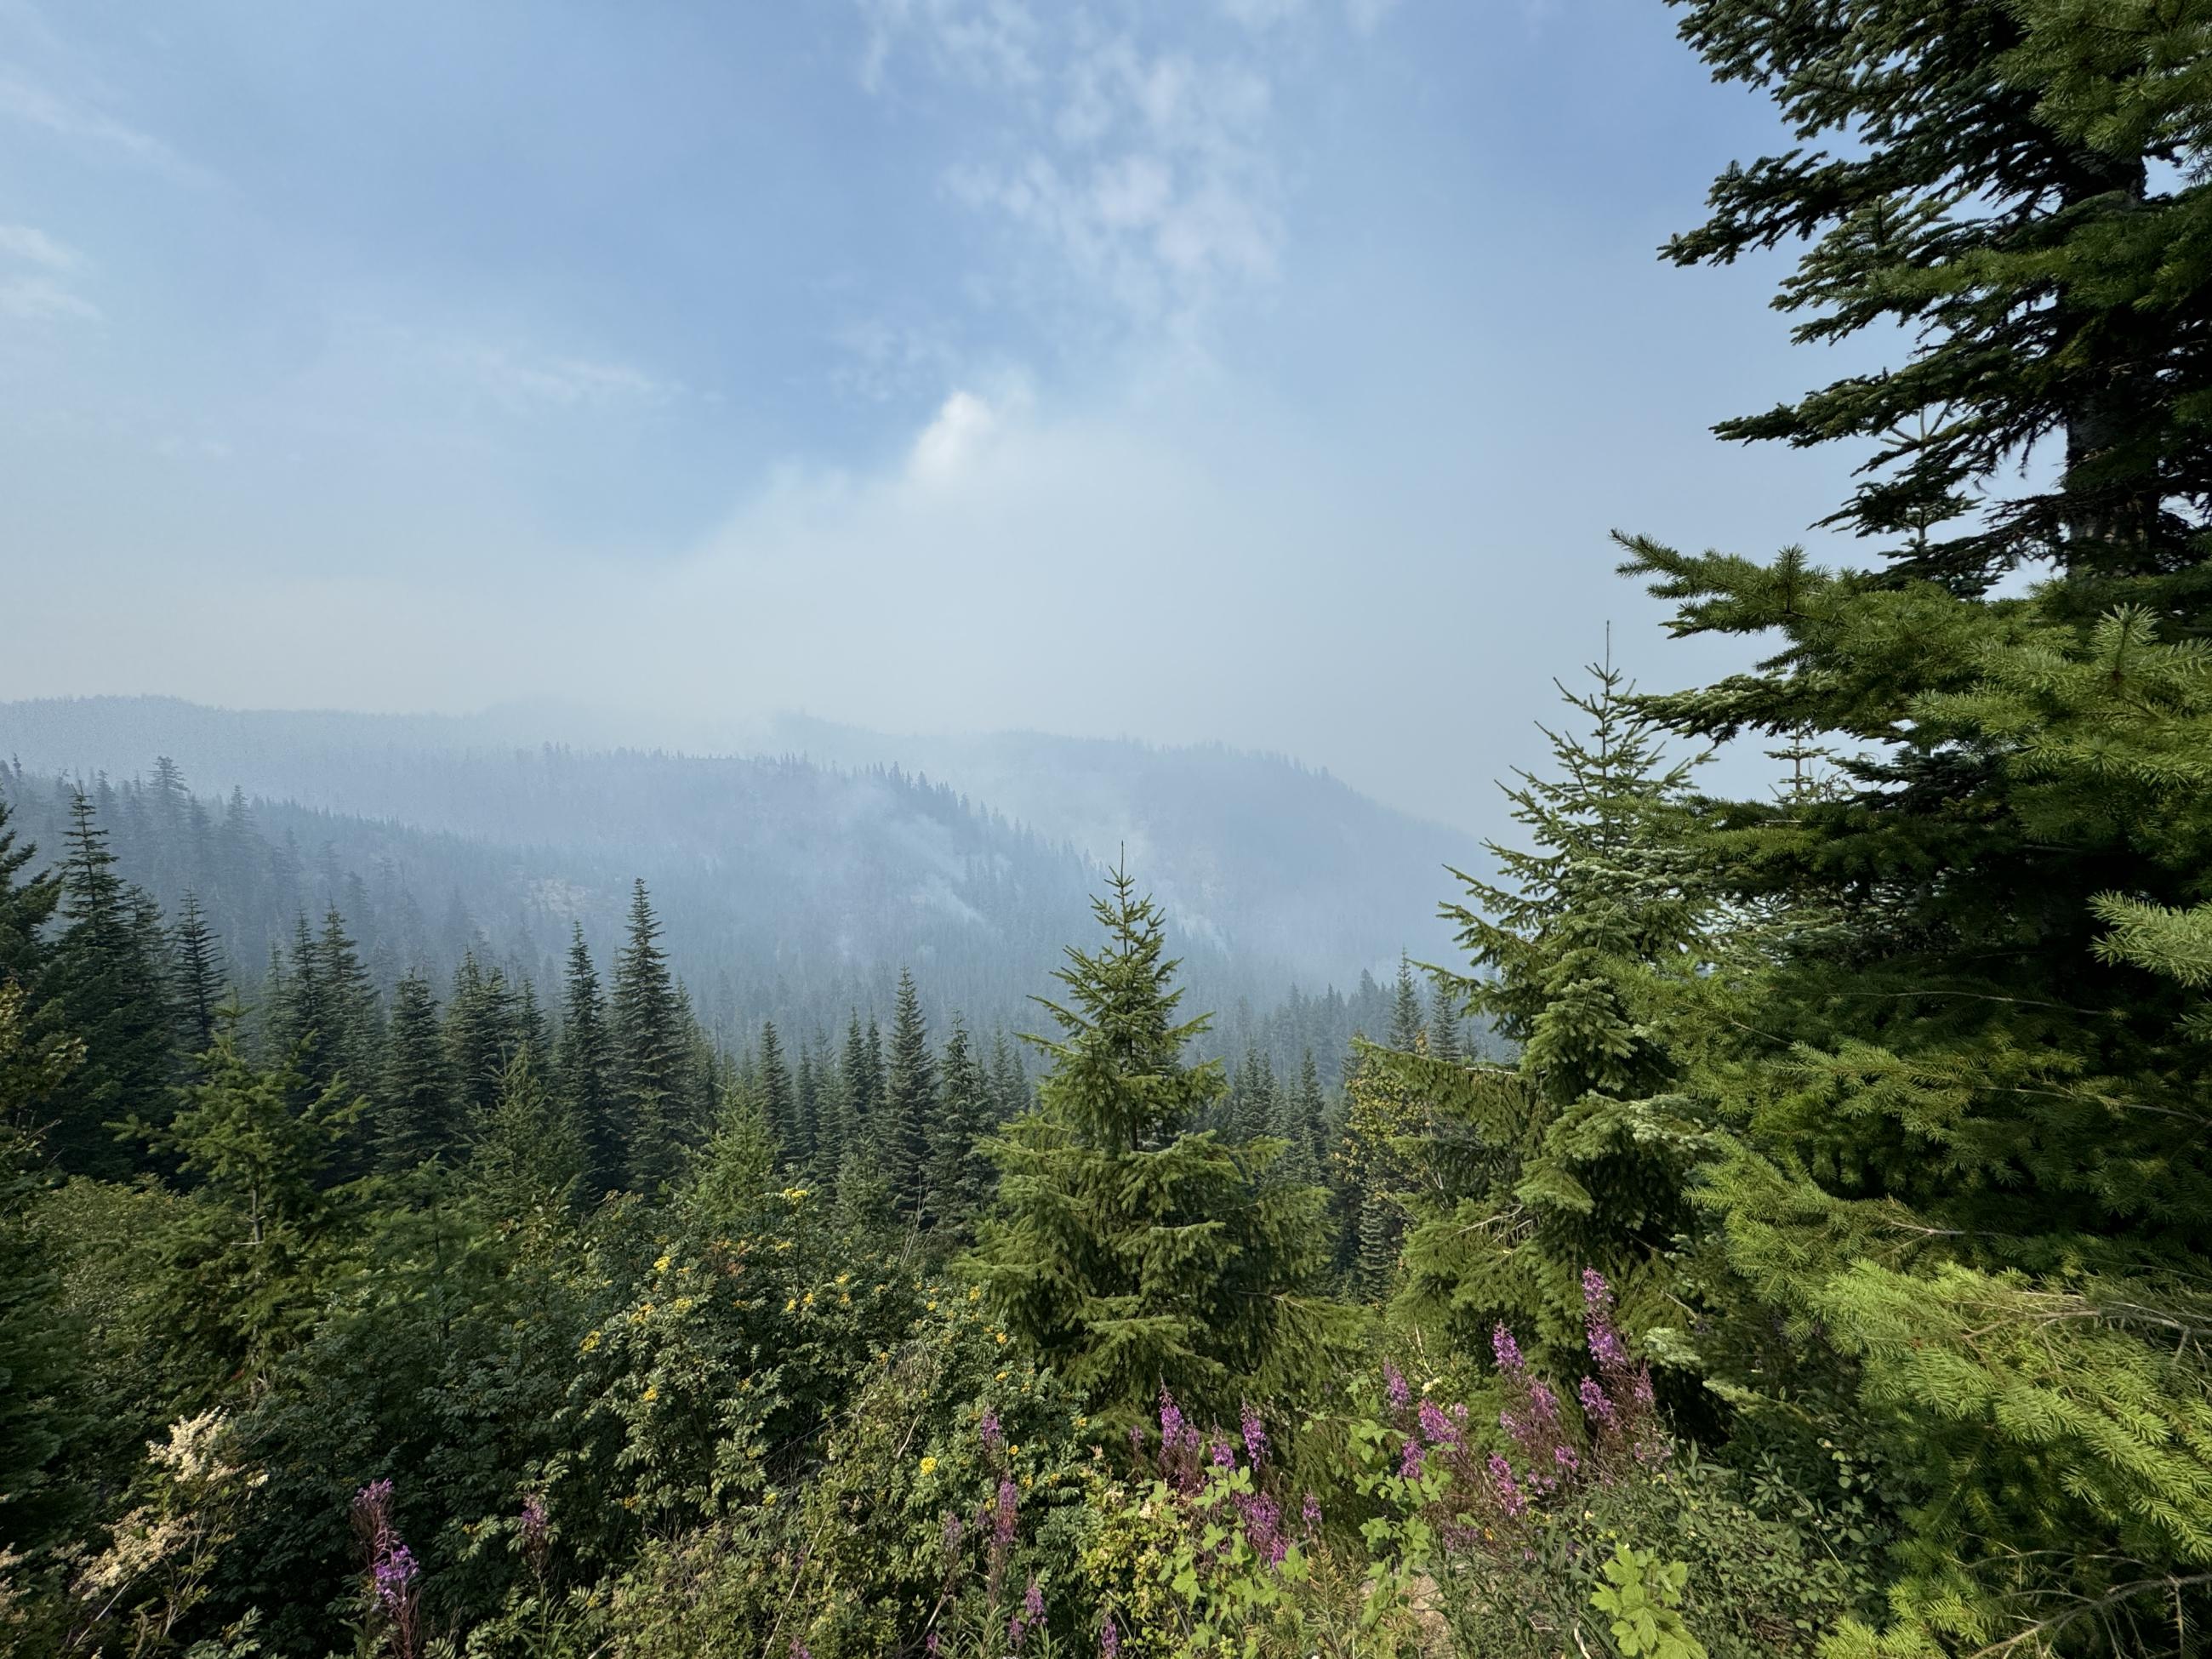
column 1754, row 1220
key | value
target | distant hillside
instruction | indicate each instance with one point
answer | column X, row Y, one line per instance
column 1287, row 873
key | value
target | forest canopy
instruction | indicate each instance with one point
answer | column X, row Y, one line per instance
column 1779, row 1229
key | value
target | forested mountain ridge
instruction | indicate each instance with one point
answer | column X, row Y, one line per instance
column 1286, row 873
column 796, row 893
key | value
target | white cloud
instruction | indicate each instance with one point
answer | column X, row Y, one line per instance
column 38, row 299
column 34, row 272
column 522, row 380
column 961, row 426
column 1144, row 169
column 37, row 105
column 33, row 246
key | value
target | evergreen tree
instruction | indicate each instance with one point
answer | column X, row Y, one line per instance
column 199, row 976
column 961, row 1178
column 1581, row 1153
column 354, row 1040
column 585, row 1064
column 910, row 1105
column 1301, row 1114
column 1964, row 1173
column 851, row 1120
column 1252, row 1107
column 1445, row 1015
column 651, row 1085
column 1405, row 1009
column 110, row 980
column 807, row 1104
column 416, row 1114
column 28, row 903
column 41, row 1363
column 483, row 1032
column 734, row 1170
column 1130, row 1253
column 243, row 1257
column 778, row 1101
column 1011, row 1093
column 527, row 1165
column 2012, row 187
column 530, row 1027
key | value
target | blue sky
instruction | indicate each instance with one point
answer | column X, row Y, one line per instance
column 1268, row 371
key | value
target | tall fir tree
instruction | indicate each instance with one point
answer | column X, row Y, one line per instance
column 2011, row 186
column 1405, row 1008
column 416, row 1115
column 910, row 1105
column 527, row 1162
column 199, row 990
column 585, row 1065
column 1581, row 1153
column 244, row 1258
column 779, row 1102
column 962, row 1178
column 1445, row 1013
column 652, row 1081
column 110, row 982
column 43, row 1386
column 1960, row 1076
column 28, row 904
column 1131, row 1253
column 1010, row 1084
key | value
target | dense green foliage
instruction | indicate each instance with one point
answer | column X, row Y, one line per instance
column 1807, row 1259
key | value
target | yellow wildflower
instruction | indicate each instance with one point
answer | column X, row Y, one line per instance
column 661, row 1266
column 791, row 1305
column 591, row 1342
column 1001, row 1338
column 929, row 1467
column 652, row 1393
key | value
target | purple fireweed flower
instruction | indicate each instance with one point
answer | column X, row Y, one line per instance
column 1309, row 1512
column 1136, row 1440
column 532, row 1518
column 930, row 1644
column 1507, row 1351
column 1510, row 1498
column 1263, row 1525
column 1110, row 1640
column 799, row 1649
column 1002, row 1517
column 1256, row 1435
column 395, row 1572
column 1597, row 1403
column 1435, row 1428
column 1017, row 1632
column 1033, row 1602
column 1393, row 1386
column 1597, row 1295
column 993, row 1433
column 1565, row 1457
column 1225, row 1455
column 1409, row 1460
column 1171, row 1422
column 1606, row 1347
